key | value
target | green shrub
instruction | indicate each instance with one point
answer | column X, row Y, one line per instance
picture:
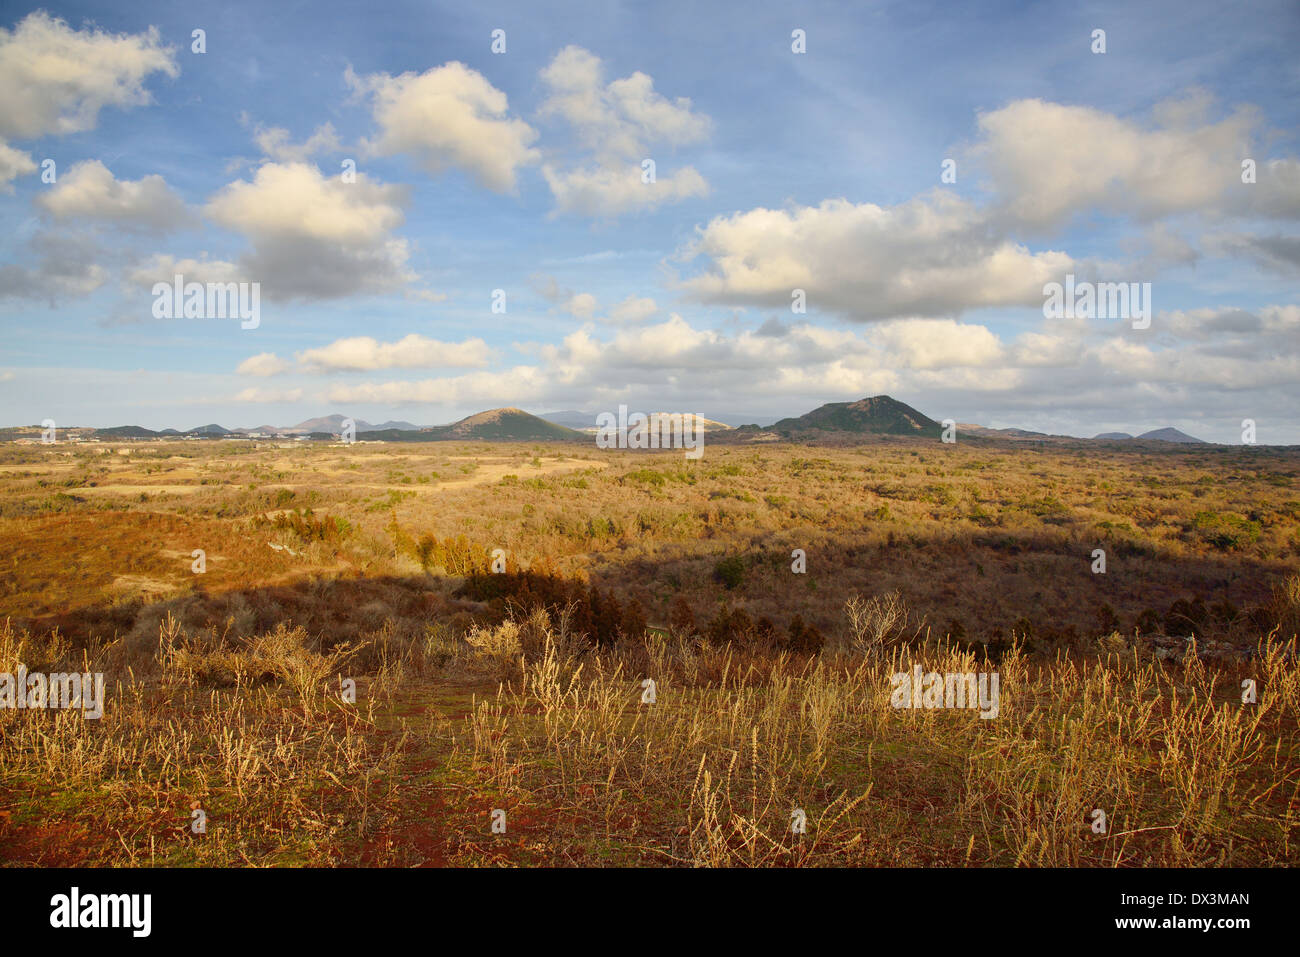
column 1225, row 531
column 730, row 571
column 647, row 477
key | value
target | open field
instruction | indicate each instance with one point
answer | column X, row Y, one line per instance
column 521, row 690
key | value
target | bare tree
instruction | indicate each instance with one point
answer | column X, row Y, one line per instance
column 873, row 622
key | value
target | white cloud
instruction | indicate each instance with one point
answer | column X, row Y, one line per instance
column 518, row 385
column 934, row 255
column 633, row 310
column 362, row 353
column 1033, row 349
column 1276, row 253
column 313, row 237
column 1185, row 356
column 1049, row 162
column 674, row 359
column 619, row 120
column 582, row 306
column 938, row 344
column 89, row 191
column 262, row 365
column 1135, row 380
column 274, row 142
column 13, row 163
column 365, row 354
column 610, row 191
column 162, row 268
column 294, row 199
column 1236, row 333
column 450, row 116
column 56, row 79
column 65, row 269
column 617, row 125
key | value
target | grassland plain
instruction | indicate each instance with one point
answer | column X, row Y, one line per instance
column 521, row 691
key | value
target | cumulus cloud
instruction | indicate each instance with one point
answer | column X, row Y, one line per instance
column 446, row 117
column 1275, row 253
column 518, row 385
column 262, row 365
column 13, row 163
column 162, row 268
column 56, row 79
column 1271, row 331
column 1046, row 349
column 89, row 191
column 675, row 358
column 580, row 305
column 632, row 310
column 938, row 344
column 617, row 125
column 1195, row 369
column 621, row 119
column 945, row 368
column 939, row 255
column 65, row 268
column 274, row 141
column 362, row 353
column 1195, row 359
column 583, row 305
column 747, row 362
column 365, row 354
column 313, row 237
column 1049, row 162
column 295, row 199
column 617, row 189
column 934, row 255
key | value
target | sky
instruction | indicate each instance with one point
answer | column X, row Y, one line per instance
column 847, row 200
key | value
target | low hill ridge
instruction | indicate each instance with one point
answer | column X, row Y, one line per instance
column 881, row 414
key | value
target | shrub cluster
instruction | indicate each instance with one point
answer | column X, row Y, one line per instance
column 598, row 614
column 307, row 527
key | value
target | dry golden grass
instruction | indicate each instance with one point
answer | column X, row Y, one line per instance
column 980, row 539
column 224, row 688
column 257, row 735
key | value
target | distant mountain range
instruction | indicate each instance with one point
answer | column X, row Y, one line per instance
column 885, row 415
column 334, row 423
column 586, row 421
column 1157, row 435
column 495, row 425
column 572, row 419
column 877, row 415
column 325, row 424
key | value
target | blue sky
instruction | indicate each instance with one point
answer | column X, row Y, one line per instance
column 775, row 170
